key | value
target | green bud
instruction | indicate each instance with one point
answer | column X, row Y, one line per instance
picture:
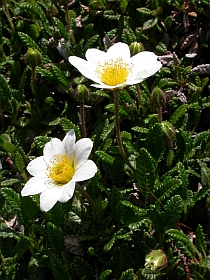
column 168, row 129
column 136, row 48
column 82, row 92
column 49, row 100
column 158, row 97
column 155, row 260
column 33, row 58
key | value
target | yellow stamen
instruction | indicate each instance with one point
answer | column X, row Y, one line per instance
column 60, row 169
column 113, row 72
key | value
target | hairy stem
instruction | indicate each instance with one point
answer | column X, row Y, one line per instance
column 92, row 203
column 82, row 119
column 117, row 127
column 71, row 35
column 8, row 16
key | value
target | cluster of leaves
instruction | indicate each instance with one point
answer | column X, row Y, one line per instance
column 164, row 202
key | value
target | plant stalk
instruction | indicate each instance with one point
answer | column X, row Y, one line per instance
column 117, row 127
column 8, row 16
column 71, row 35
column 82, row 119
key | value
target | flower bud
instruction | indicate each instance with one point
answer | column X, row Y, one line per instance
column 82, row 93
column 155, row 260
column 136, row 48
column 168, row 129
column 158, row 97
column 33, row 58
column 49, row 100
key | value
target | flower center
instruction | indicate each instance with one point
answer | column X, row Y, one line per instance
column 113, row 72
column 60, row 169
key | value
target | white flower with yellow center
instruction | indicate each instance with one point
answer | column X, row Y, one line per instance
column 63, row 163
column 116, row 68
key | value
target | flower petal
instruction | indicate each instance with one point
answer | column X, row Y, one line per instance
column 85, row 172
column 119, row 50
column 54, row 147
column 86, row 68
column 37, row 167
column 95, row 56
column 68, row 191
column 69, row 144
column 49, row 198
column 34, row 186
column 101, row 85
column 145, row 64
column 83, row 148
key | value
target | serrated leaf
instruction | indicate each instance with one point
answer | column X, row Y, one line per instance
column 12, row 198
column 105, row 157
column 150, row 23
column 127, row 275
column 178, row 114
column 105, row 274
column 19, row 162
column 144, row 11
column 145, row 171
column 200, row 240
column 59, row 270
column 40, row 141
column 10, row 182
column 30, row 207
column 55, row 237
column 109, row 244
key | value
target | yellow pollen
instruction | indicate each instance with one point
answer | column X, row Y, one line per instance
column 60, row 169
column 113, row 72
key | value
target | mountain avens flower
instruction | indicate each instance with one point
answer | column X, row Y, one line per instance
column 116, row 68
column 63, row 163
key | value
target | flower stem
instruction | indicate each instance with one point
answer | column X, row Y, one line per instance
column 140, row 98
column 71, row 35
column 117, row 127
column 82, row 119
column 92, row 203
column 8, row 16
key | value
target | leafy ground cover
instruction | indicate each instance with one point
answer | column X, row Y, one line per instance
column 146, row 212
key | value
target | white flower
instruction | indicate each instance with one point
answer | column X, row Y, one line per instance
column 116, row 68
column 63, row 163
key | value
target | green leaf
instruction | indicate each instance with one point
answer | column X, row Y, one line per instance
column 28, row 42
column 19, row 162
column 55, row 237
column 67, row 125
column 10, row 182
column 200, row 240
column 85, row 273
column 30, row 207
column 178, row 114
column 60, row 271
column 105, row 274
column 61, row 29
column 40, row 141
column 109, row 244
column 105, row 157
column 12, row 198
column 150, row 23
column 91, row 42
column 184, row 178
column 127, row 275
column 145, row 171
column 154, row 142
column 144, row 11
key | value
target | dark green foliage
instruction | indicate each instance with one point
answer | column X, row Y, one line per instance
column 59, row 270
column 145, row 171
column 150, row 194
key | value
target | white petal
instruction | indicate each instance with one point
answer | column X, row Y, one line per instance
column 86, row 68
column 49, row 198
column 119, row 50
column 85, row 172
column 83, row 148
column 109, row 87
column 37, row 167
column 68, row 191
column 95, row 56
column 145, row 65
column 69, row 144
column 34, row 186
column 54, row 147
